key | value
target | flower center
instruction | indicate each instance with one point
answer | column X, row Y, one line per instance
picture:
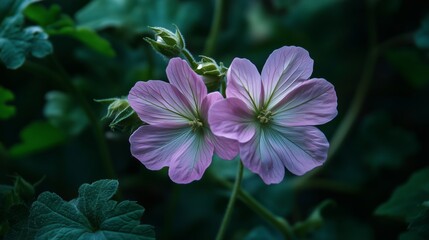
column 265, row 116
column 196, row 124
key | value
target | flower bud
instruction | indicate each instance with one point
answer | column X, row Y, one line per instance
column 208, row 67
column 24, row 189
column 166, row 42
column 121, row 114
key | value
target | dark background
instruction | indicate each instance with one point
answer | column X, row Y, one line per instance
column 387, row 143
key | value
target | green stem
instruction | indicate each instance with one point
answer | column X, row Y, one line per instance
column 214, row 30
column 64, row 80
column 190, row 58
column 279, row 223
column 229, row 208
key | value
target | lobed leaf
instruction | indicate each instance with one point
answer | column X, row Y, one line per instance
column 54, row 22
column 16, row 42
column 93, row 215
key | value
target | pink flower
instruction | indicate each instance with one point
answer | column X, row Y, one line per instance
column 178, row 134
column 272, row 114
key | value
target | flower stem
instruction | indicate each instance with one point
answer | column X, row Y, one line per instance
column 280, row 223
column 61, row 78
column 190, row 58
column 214, row 30
column 229, row 208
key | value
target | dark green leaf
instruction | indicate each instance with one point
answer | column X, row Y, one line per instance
column 18, row 221
column 422, row 35
column 54, row 22
column 6, row 111
column 42, row 15
column 35, row 137
column 14, row 211
column 420, row 224
column 410, row 236
column 12, row 7
column 90, row 216
column 386, row 145
column 88, row 37
column 136, row 15
column 17, row 42
column 406, row 201
column 314, row 221
column 411, row 66
column 64, row 113
column 260, row 233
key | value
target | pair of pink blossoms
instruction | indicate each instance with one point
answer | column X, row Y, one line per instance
column 266, row 118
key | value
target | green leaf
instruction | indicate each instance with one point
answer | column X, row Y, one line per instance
column 54, row 22
column 136, row 15
column 88, row 37
column 314, row 221
column 6, row 111
column 90, row 216
column 260, row 232
column 63, row 112
column 420, row 225
column 410, row 65
column 386, row 145
column 421, row 37
column 13, row 7
column 16, row 42
column 406, row 201
column 36, row 137
column 14, row 211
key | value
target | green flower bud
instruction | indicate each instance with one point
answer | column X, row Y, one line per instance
column 23, row 189
column 166, row 42
column 121, row 114
column 208, row 67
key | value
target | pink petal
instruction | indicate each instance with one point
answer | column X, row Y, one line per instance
column 155, row 146
column 261, row 157
column 231, row 118
column 299, row 149
column 303, row 148
column 208, row 101
column 191, row 159
column 244, row 83
column 284, row 69
column 187, row 81
column 160, row 104
column 225, row 148
column 313, row 102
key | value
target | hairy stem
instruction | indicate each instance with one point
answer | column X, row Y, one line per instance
column 214, row 30
column 190, row 58
column 229, row 208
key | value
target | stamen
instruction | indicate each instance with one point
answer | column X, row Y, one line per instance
column 265, row 116
column 196, row 124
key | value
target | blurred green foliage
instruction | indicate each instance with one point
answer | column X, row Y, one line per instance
column 96, row 51
column 15, row 40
